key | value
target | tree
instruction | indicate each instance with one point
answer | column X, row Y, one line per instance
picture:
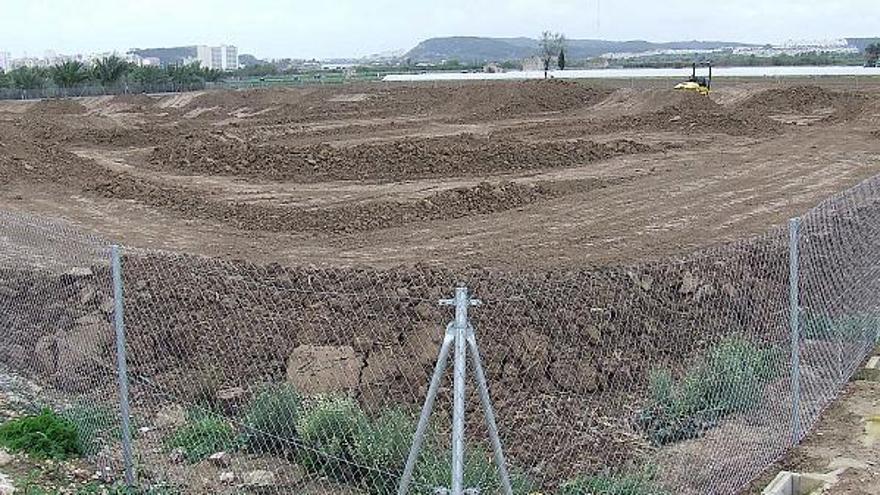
column 69, row 74
column 185, row 75
column 551, row 45
column 149, row 76
column 5, row 80
column 27, row 78
column 109, row 70
column 561, row 60
column 211, row 75
column 872, row 54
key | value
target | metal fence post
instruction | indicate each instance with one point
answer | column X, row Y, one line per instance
column 121, row 364
column 794, row 323
column 459, row 370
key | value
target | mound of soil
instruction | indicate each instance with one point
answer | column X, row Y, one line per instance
column 134, row 103
column 465, row 102
column 408, row 158
column 804, row 100
column 688, row 112
column 57, row 106
column 23, row 159
column 483, row 198
column 490, row 101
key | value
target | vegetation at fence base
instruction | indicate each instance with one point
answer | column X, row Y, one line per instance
column 861, row 327
column 730, row 379
column 328, row 429
column 94, row 426
column 270, row 418
column 642, row 483
column 203, row 434
column 381, row 448
column 44, row 436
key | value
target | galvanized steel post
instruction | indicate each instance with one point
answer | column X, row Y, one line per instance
column 121, row 365
column 794, row 323
column 460, row 369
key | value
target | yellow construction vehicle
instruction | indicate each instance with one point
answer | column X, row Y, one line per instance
column 699, row 84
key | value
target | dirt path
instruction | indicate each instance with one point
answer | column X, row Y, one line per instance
column 845, row 437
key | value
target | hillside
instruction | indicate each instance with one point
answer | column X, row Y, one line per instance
column 472, row 48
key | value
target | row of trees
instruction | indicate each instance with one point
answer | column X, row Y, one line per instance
column 108, row 72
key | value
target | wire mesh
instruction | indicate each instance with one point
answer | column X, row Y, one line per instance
column 682, row 375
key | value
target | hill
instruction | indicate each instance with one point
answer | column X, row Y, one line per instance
column 478, row 49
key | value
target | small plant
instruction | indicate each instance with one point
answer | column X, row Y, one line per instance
column 270, row 419
column 435, row 470
column 731, row 379
column 854, row 328
column 617, row 484
column 381, row 449
column 93, row 426
column 328, row 429
column 45, row 436
column 202, row 435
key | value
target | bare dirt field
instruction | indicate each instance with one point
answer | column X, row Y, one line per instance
column 369, row 201
column 497, row 174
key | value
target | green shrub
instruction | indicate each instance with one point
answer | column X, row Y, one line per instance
column 853, row 328
column 328, row 429
column 45, row 435
column 202, row 435
column 637, row 484
column 730, row 379
column 94, row 426
column 435, row 470
column 381, row 449
column 270, row 419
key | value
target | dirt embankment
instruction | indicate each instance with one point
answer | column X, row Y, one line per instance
column 463, row 102
column 458, row 202
column 838, row 105
column 26, row 160
column 693, row 113
column 405, row 159
column 56, row 107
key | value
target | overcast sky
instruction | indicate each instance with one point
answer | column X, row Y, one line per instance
column 340, row 28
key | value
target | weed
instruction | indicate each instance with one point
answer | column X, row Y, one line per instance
column 381, row 448
column 617, row 484
column 328, row 429
column 730, row 379
column 44, row 436
column 853, row 328
column 202, row 435
column 435, row 470
column 270, row 419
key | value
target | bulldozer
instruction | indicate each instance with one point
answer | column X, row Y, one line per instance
column 696, row 83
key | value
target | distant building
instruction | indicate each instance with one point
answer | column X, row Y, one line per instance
column 5, row 61
column 223, row 57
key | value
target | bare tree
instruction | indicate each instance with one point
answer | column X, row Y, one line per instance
column 552, row 44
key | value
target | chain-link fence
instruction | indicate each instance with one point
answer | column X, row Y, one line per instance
column 688, row 375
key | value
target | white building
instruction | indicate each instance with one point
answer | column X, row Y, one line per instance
column 5, row 61
column 223, row 57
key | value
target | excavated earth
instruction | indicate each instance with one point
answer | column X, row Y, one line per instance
column 609, row 231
